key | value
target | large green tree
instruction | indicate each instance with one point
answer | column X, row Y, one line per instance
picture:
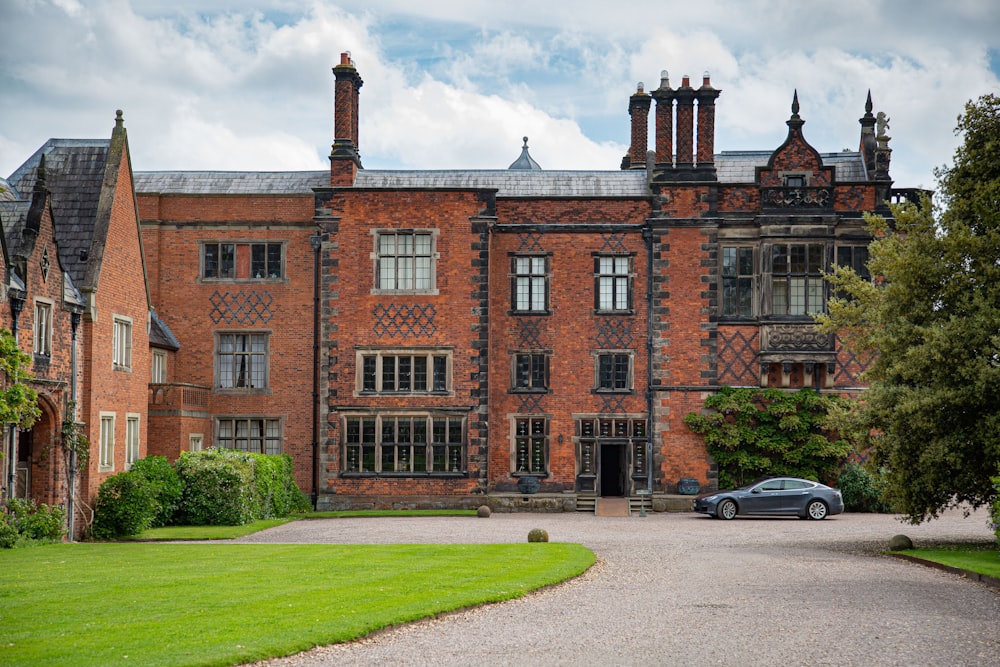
column 930, row 318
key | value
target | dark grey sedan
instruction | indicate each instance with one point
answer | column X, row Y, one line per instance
column 776, row 496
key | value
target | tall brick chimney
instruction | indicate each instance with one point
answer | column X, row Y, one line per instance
column 664, row 96
column 638, row 109
column 706, row 96
column 685, row 124
column 344, row 157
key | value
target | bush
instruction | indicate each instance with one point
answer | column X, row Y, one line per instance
column 37, row 522
column 862, row 491
column 126, row 505
column 995, row 510
column 218, row 488
column 167, row 487
column 8, row 533
column 232, row 488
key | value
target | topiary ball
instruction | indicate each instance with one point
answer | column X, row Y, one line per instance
column 483, row 512
column 900, row 543
column 538, row 535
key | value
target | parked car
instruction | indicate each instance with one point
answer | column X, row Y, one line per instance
column 775, row 496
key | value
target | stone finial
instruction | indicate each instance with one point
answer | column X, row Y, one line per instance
column 119, row 119
column 795, row 104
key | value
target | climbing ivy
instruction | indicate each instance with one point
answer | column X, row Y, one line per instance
column 755, row 432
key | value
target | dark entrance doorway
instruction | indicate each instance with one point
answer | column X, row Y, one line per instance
column 612, row 470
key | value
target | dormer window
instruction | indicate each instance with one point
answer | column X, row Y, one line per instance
column 795, row 181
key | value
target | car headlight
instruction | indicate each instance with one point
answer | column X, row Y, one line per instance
column 710, row 499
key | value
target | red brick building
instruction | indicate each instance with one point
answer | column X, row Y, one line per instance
column 434, row 338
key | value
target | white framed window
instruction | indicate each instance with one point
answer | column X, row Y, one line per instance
column 131, row 439
column 408, row 444
column 42, row 337
column 122, row 353
column 405, row 260
column 195, row 442
column 530, row 284
column 222, row 260
column 261, row 435
column 241, row 360
column 403, row 371
column 613, row 278
column 530, row 453
column 159, row 366
column 797, row 283
column 106, row 462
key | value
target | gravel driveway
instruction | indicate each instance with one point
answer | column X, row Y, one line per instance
column 685, row 589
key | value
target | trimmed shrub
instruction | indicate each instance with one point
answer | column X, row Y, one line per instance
column 167, row 487
column 40, row 522
column 8, row 533
column 218, row 488
column 232, row 488
column 862, row 491
column 126, row 505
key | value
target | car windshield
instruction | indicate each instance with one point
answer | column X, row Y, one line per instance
column 747, row 487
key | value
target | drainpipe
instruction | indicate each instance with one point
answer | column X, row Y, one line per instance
column 16, row 304
column 74, row 319
column 316, row 241
column 647, row 235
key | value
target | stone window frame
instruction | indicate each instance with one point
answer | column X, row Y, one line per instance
column 535, row 372
column 370, row 370
column 106, row 448
column 42, row 327
column 121, row 354
column 133, row 438
column 196, row 442
column 237, row 261
column 811, row 276
column 607, row 367
column 611, row 280
column 268, row 439
column 158, row 366
column 251, row 373
column 530, row 445
column 378, row 257
column 530, row 276
column 385, row 443
column 738, row 279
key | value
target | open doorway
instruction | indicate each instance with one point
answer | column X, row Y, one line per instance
column 612, row 470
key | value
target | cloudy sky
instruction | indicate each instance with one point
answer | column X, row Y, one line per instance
column 246, row 84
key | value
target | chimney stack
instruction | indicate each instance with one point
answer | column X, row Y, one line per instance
column 664, row 96
column 344, row 157
column 685, row 124
column 706, row 125
column 638, row 109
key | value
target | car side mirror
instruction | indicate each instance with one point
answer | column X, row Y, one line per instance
column 756, row 490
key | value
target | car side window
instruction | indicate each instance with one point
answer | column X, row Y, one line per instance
column 792, row 484
column 773, row 485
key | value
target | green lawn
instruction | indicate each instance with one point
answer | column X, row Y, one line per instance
column 982, row 559
column 221, row 604
column 168, row 533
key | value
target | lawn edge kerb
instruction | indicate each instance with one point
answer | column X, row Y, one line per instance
column 967, row 574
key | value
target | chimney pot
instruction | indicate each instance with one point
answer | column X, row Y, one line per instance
column 640, row 87
column 345, row 58
column 685, row 81
column 664, row 79
column 705, row 79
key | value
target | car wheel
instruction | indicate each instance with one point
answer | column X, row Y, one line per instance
column 816, row 510
column 726, row 510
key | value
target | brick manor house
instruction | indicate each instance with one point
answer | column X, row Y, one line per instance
column 524, row 337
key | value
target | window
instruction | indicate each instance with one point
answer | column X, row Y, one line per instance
column 796, row 279
column 737, row 282
column 241, row 360
column 405, row 261
column 855, row 257
column 159, row 367
column 409, row 444
column 614, row 371
column 531, row 445
column 131, row 440
column 242, row 261
column 258, row 435
column 404, row 372
column 107, row 460
column 43, row 328
column 795, row 181
column 195, row 442
column 530, row 371
column 613, row 283
column 122, row 353
column 530, row 284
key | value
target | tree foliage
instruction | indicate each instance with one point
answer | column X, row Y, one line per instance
column 755, row 432
column 18, row 401
column 931, row 319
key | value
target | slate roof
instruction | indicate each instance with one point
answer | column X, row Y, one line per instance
column 14, row 214
column 160, row 334
column 74, row 170
column 731, row 167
